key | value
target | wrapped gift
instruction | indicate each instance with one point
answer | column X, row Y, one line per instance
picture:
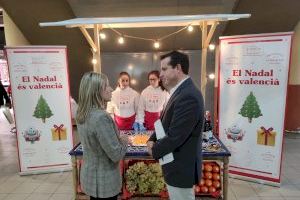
column 266, row 136
column 59, row 132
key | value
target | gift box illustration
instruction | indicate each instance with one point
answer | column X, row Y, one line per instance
column 31, row 135
column 59, row 132
column 266, row 136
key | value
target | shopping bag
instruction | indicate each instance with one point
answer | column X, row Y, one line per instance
column 7, row 114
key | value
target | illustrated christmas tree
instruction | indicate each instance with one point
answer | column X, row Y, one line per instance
column 250, row 108
column 42, row 109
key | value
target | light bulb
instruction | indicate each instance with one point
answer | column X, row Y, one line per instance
column 133, row 82
column 190, row 28
column 130, row 67
column 121, row 40
column 211, row 47
column 211, row 76
column 94, row 61
column 102, row 36
column 156, row 45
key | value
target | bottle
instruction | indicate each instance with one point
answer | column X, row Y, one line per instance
column 207, row 126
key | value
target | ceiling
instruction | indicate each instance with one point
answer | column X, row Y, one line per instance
column 267, row 16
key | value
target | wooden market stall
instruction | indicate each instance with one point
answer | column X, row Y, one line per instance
column 207, row 25
column 214, row 152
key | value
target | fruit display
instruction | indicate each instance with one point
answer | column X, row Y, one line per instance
column 210, row 184
column 143, row 178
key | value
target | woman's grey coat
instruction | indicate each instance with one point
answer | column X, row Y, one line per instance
column 102, row 150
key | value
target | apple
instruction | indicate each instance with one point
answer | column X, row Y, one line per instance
column 212, row 189
column 204, row 189
column 208, row 182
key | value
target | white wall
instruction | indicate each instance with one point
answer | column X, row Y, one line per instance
column 13, row 35
column 295, row 58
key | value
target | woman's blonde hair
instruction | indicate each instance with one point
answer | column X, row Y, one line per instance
column 92, row 86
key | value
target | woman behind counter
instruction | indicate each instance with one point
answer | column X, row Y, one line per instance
column 103, row 147
column 152, row 101
column 124, row 103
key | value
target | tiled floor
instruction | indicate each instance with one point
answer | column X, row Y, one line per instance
column 58, row 186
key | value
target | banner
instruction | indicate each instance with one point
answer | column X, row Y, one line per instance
column 41, row 102
column 252, row 98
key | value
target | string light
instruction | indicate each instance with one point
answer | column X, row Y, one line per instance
column 133, row 82
column 211, row 76
column 156, row 45
column 190, row 28
column 94, row 61
column 102, row 36
column 130, row 67
column 211, row 47
column 121, row 40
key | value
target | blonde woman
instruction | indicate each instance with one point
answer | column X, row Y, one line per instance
column 103, row 147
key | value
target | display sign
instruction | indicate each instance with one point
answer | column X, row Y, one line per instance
column 41, row 102
column 253, row 78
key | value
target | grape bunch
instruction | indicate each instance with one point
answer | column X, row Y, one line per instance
column 144, row 178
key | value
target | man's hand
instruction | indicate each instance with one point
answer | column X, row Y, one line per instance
column 130, row 140
column 149, row 147
column 126, row 139
column 8, row 105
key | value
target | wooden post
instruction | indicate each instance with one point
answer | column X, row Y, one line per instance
column 96, row 55
column 75, row 176
column 203, row 27
column 225, row 178
column 88, row 38
column 205, row 43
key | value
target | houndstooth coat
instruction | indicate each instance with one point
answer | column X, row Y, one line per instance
column 102, row 150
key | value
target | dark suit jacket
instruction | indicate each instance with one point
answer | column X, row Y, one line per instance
column 3, row 94
column 182, row 121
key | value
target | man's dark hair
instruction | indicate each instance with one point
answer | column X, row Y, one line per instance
column 178, row 58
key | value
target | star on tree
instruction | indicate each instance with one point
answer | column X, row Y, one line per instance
column 250, row 108
column 42, row 109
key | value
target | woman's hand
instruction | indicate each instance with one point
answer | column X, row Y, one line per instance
column 126, row 139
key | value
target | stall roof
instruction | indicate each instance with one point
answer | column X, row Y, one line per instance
column 148, row 21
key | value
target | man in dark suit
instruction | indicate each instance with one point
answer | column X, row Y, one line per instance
column 3, row 94
column 182, row 121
